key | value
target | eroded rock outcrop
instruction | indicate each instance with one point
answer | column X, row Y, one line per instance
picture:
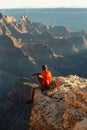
column 63, row 110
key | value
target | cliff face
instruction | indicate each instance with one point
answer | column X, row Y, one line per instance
column 41, row 44
column 64, row 110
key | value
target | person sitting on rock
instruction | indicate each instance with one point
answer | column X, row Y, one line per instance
column 44, row 78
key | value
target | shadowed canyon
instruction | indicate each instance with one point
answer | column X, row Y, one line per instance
column 25, row 46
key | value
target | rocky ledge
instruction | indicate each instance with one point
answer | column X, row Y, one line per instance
column 66, row 110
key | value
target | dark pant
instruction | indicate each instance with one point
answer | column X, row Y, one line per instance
column 41, row 87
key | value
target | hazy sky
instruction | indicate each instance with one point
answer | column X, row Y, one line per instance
column 42, row 3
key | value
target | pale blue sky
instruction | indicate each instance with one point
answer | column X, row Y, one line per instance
column 42, row 3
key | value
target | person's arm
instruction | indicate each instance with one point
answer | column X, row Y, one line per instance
column 35, row 74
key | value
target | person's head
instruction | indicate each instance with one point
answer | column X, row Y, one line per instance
column 44, row 67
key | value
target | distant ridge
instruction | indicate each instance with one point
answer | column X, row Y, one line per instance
column 70, row 17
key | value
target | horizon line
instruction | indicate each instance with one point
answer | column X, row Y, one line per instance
column 45, row 8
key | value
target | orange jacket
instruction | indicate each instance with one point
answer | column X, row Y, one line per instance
column 46, row 78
